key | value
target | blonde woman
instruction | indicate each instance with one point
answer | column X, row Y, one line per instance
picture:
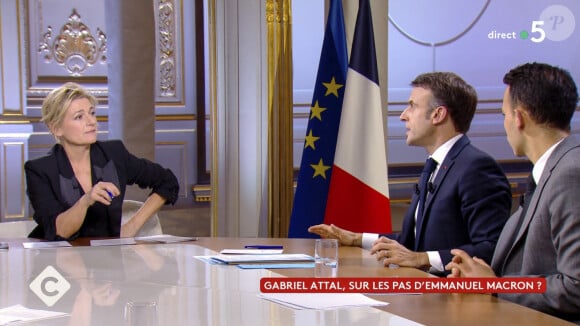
column 77, row 190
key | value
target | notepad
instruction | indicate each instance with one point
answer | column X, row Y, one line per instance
column 251, row 259
column 19, row 313
column 251, row 251
column 276, row 266
column 165, row 238
column 321, row 300
column 44, row 245
column 113, row 242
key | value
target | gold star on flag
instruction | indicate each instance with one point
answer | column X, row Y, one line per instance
column 320, row 169
column 316, row 111
column 332, row 87
column 310, row 139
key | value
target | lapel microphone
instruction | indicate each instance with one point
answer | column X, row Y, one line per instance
column 417, row 191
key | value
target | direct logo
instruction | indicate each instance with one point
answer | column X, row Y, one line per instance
column 555, row 23
column 49, row 286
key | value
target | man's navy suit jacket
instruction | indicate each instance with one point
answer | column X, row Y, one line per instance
column 467, row 207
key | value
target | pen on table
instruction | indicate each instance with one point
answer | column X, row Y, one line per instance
column 263, row 247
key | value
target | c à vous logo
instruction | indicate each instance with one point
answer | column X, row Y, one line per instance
column 49, row 286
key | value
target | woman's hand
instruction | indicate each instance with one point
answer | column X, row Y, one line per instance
column 102, row 192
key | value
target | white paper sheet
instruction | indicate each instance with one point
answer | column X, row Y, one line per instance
column 19, row 313
column 282, row 258
column 276, row 266
column 251, row 251
column 207, row 259
column 113, row 242
column 321, row 300
column 46, row 244
column 165, row 238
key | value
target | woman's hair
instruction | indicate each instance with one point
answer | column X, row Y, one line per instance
column 57, row 102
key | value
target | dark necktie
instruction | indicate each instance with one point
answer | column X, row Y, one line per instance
column 429, row 167
column 525, row 200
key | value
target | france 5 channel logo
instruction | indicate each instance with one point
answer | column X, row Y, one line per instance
column 556, row 23
column 49, row 286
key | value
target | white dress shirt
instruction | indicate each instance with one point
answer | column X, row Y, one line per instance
column 541, row 163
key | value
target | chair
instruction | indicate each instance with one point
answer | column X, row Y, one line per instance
column 151, row 227
column 16, row 229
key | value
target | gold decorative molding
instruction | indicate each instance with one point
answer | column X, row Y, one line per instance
column 213, row 105
column 277, row 11
column 280, row 101
column 74, row 47
column 166, row 43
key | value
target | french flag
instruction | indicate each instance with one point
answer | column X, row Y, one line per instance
column 358, row 198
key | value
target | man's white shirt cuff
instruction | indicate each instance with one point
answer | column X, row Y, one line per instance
column 435, row 261
column 368, row 239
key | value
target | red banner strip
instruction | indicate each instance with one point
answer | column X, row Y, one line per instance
column 403, row 285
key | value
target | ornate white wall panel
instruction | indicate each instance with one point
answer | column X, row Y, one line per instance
column 13, row 154
column 174, row 149
column 170, row 75
column 67, row 39
column 11, row 65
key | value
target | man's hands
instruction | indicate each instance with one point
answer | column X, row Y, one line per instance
column 462, row 265
column 344, row 237
column 387, row 250
column 392, row 252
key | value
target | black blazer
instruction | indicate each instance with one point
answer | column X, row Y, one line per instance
column 467, row 207
column 53, row 188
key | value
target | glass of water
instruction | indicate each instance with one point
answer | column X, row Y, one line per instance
column 141, row 313
column 325, row 257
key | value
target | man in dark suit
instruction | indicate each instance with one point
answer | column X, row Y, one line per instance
column 542, row 238
column 467, row 196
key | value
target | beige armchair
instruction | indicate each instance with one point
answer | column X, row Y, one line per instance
column 151, row 227
column 16, row 229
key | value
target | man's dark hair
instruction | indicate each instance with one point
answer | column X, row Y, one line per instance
column 546, row 92
column 454, row 93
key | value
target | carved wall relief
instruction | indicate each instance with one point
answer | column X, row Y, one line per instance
column 74, row 47
column 169, row 79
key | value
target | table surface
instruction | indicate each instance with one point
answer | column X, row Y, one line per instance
column 189, row 291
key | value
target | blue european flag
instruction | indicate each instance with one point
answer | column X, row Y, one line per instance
column 320, row 141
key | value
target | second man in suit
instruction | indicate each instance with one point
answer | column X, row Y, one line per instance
column 468, row 197
column 542, row 238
